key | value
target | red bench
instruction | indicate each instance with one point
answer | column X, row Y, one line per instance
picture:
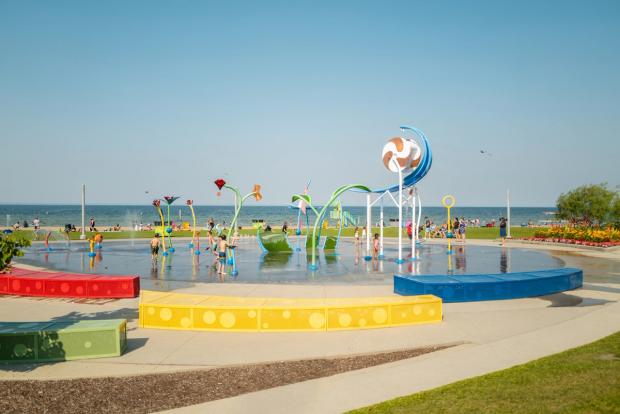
column 24, row 282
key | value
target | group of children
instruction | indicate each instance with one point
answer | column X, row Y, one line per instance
column 375, row 241
column 219, row 248
column 458, row 230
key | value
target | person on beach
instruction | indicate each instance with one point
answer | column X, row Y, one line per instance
column 364, row 233
column 155, row 247
column 285, row 228
column 356, row 234
column 222, row 255
column 91, row 223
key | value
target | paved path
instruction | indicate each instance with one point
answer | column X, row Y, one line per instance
column 373, row 385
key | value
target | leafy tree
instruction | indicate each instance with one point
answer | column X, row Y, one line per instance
column 615, row 211
column 10, row 246
column 587, row 205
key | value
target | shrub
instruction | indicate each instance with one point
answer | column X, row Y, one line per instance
column 11, row 246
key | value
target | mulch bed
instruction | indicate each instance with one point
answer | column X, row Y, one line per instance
column 155, row 392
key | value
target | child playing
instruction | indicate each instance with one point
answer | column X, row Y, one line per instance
column 155, row 247
column 375, row 246
column 212, row 243
column 222, row 255
column 234, row 240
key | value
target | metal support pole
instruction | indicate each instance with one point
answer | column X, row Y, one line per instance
column 83, row 235
column 414, row 226
column 368, row 227
column 400, row 217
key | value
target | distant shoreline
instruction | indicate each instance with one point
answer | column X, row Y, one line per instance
column 3, row 204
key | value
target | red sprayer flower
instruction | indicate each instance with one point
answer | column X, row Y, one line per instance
column 220, row 183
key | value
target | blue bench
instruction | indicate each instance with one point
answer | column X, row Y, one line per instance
column 470, row 288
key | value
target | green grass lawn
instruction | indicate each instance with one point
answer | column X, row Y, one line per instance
column 472, row 233
column 580, row 380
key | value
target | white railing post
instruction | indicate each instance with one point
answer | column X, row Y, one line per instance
column 368, row 226
column 381, row 255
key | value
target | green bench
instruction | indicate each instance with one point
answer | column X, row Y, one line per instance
column 62, row 340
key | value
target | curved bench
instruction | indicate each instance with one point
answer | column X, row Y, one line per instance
column 470, row 288
column 62, row 340
column 23, row 282
column 222, row 313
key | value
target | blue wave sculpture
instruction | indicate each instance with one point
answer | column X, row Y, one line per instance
column 422, row 169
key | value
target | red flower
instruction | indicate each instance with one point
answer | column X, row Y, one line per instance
column 220, row 183
column 189, row 202
column 156, row 202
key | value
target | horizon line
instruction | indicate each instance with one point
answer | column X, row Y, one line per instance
column 253, row 205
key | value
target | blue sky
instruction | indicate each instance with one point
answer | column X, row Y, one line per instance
column 165, row 97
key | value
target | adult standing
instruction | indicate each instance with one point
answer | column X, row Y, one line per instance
column 455, row 228
column 462, row 228
column 92, row 224
column 427, row 228
column 502, row 229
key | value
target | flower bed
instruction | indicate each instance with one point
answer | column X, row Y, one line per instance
column 584, row 236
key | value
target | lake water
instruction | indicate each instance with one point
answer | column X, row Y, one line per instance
column 127, row 215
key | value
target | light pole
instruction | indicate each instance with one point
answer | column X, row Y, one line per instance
column 83, row 235
column 489, row 155
column 508, row 214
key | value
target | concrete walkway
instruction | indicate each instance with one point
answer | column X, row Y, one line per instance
column 357, row 389
column 497, row 334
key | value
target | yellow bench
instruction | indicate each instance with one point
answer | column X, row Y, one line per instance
column 228, row 313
